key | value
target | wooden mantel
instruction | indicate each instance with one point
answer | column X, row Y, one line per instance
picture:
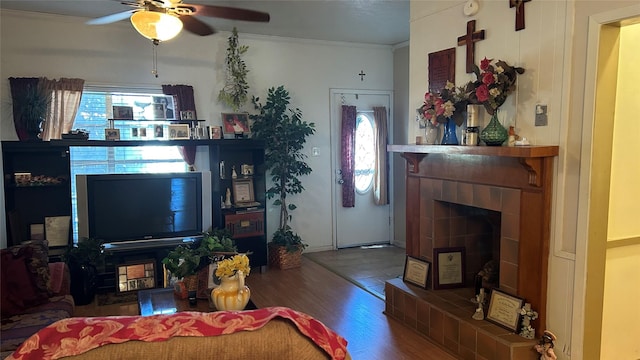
column 529, row 156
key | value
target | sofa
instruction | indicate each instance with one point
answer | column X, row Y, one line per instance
column 274, row 333
column 34, row 293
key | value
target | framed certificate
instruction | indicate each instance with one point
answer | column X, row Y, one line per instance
column 416, row 271
column 504, row 310
column 448, row 265
column 243, row 191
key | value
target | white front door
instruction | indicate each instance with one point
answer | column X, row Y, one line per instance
column 366, row 223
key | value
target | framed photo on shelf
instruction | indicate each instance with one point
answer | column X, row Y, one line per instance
column 169, row 106
column 448, row 267
column 187, row 115
column 112, row 134
column 135, row 276
column 123, row 112
column 416, row 271
column 243, row 191
column 159, row 111
column 236, row 123
column 179, row 132
column 158, row 131
column 215, row 132
column 56, row 229
column 504, row 310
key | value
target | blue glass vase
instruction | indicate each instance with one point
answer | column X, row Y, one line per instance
column 449, row 137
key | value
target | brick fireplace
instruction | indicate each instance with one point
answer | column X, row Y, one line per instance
column 494, row 202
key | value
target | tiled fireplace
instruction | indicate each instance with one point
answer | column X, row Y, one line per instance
column 494, row 202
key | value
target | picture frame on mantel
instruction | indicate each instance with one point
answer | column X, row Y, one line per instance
column 416, row 271
column 448, row 268
column 504, row 310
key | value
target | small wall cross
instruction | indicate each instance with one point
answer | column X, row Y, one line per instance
column 519, row 5
column 469, row 39
column 362, row 74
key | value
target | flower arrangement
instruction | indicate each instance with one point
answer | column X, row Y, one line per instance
column 449, row 103
column 229, row 267
column 528, row 314
column 494, row 83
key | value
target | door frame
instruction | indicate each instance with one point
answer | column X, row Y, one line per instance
column 334, row 187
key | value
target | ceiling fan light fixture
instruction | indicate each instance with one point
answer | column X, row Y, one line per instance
column 156, row 25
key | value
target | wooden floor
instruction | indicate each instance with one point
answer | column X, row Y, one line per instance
column 362, row 265
column 352, row 312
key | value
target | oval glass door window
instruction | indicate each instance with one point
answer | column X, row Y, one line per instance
column 365, row 158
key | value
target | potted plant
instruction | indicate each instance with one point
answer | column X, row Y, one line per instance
column 234, row 92
column 31, row 112
column 83, row 260
column 186, row 260
column 284, row 133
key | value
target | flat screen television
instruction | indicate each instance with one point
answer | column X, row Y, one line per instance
column 118, row 208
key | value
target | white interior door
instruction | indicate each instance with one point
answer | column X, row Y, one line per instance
column 366, row 223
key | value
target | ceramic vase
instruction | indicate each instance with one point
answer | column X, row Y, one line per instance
column 449, row 137
column 494, row 134
column 431, row 134
column 232, row 294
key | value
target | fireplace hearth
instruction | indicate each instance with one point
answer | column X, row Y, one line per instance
column 494, row 202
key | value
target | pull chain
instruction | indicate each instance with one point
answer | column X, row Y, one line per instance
column 154, row 71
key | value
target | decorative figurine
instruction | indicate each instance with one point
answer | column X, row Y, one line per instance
column 234, row 174
column 526, row 331
column 227, row 200
column 221, row 169
column 479, row 314
column 545, row 346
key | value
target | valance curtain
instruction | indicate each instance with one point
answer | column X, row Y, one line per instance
column 184, row 101
column 65, row 100
column 348, row 160
column 380, row 184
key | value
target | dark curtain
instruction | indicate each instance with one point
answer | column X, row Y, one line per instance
column 348, row 159
column 19, row 88
column 185, row 101
column 184, row 97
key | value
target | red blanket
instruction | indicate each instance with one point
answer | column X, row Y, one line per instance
column 75, row 336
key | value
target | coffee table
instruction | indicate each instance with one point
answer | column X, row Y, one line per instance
column 164, row 301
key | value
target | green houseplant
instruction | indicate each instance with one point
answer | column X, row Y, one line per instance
column 83, row 260
column 234, row 92
column 188, row 259
column 284, row 133
column 32, row 110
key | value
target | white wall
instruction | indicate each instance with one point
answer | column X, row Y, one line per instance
column 62, row 46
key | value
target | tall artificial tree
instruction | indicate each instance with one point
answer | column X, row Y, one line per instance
column 285, row 134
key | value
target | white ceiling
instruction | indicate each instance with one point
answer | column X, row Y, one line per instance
column 384, row 22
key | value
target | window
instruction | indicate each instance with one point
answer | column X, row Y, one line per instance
column 93, row 114
column 365, row 155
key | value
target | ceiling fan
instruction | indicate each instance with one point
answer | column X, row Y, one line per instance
column 161, row 20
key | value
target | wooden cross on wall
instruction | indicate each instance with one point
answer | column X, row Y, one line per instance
column 469, row 39
column 519, row 5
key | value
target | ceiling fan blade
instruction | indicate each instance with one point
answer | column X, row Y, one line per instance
column 226, row 12
column 193, row 25
column 112, row 18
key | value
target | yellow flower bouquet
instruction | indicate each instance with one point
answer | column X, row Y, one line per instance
column 229, row 267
